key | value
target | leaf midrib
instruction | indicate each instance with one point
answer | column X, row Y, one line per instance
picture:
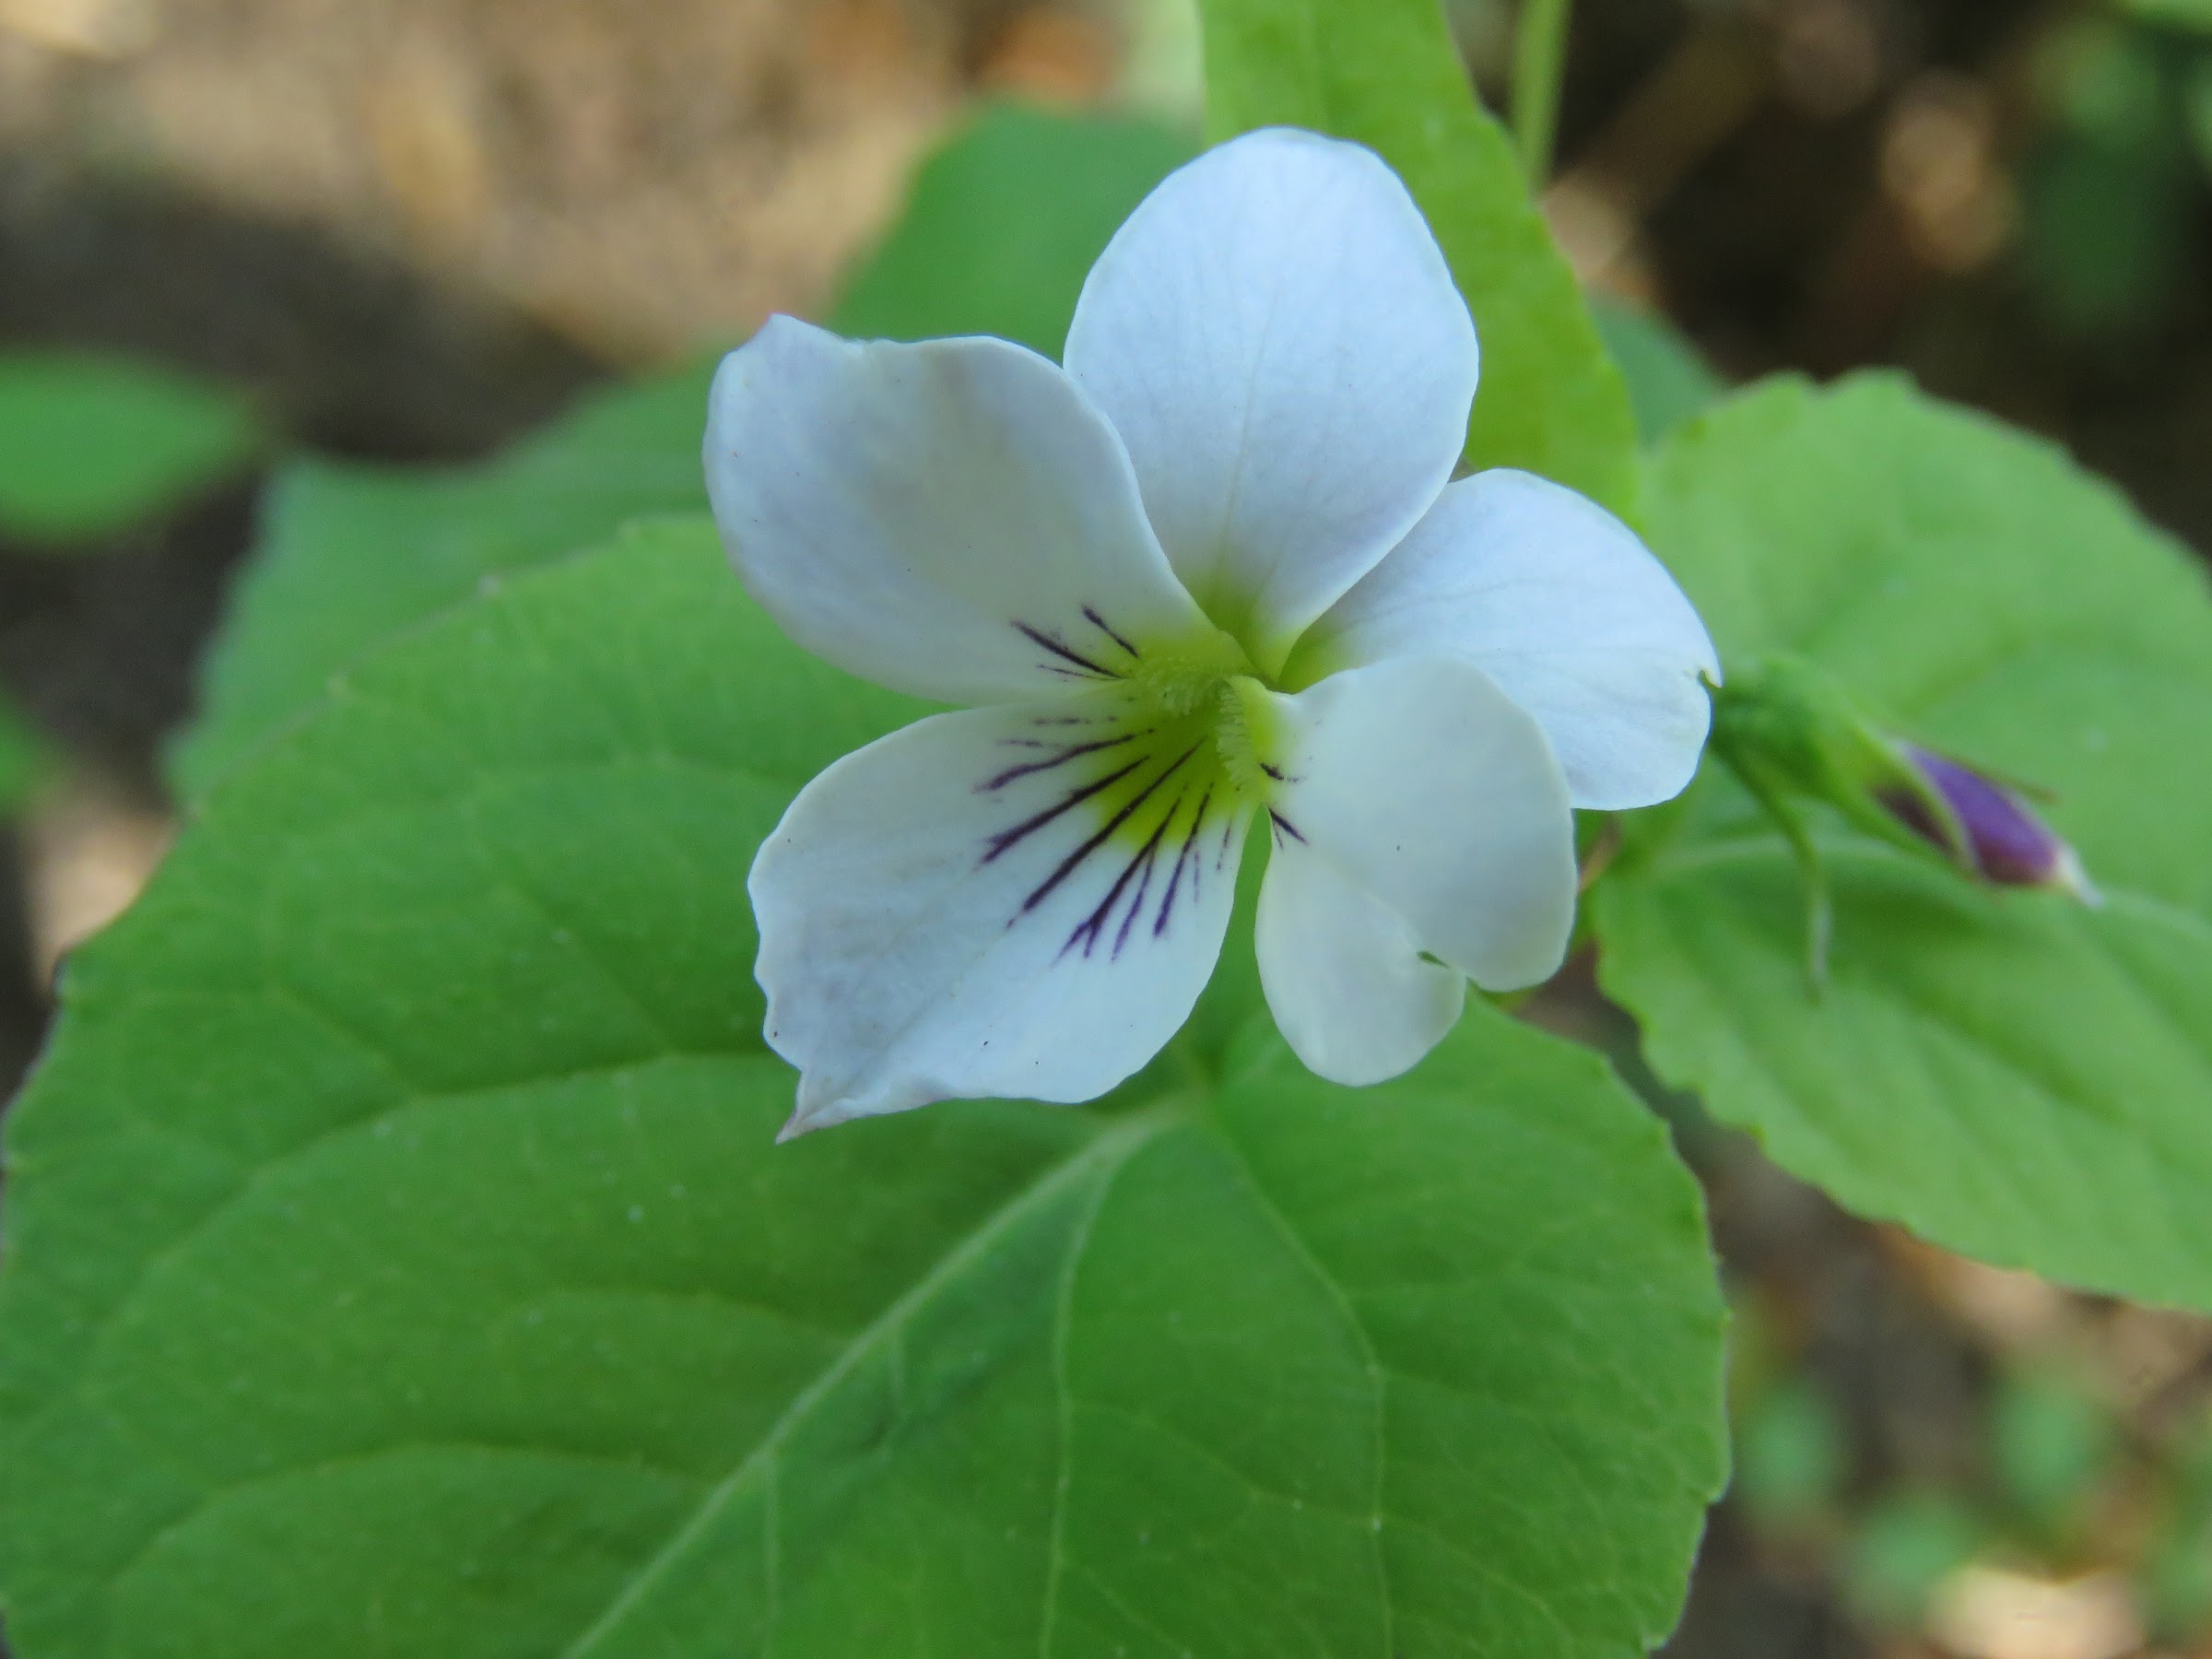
column 1112, row 1149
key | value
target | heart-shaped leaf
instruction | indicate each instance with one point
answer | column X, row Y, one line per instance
column 352, row 553
column 398, row 1261
column 2008, row 1073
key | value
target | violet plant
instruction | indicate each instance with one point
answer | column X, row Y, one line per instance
column 400, row 1258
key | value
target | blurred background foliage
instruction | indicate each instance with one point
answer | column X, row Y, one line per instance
column 371, row 232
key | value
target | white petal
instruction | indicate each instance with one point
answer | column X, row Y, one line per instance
column 1423, row 783
column 947, row 913
column 1565, row 609
column 1277, row 340
column 1344, row 973
column 952, row 519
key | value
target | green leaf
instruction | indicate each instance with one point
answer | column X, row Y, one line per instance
column 398, row 1261
column 1669, row 380
column 2177, row 14
column 1388, row 74
column 1002, row 225
column 91, row 445
column 22, row 759
column 351, row 553
column 2009, row 1075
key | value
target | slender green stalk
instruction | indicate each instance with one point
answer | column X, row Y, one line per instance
column 1539, row 65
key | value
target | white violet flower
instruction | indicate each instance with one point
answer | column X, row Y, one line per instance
column 1212, row 571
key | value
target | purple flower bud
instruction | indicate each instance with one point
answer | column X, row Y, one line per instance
column 2006, row 841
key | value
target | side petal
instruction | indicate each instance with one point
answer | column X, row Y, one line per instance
column 1021, row 900
column 1344, row 973
column 1421, row 783
column 1278, row 341
column 951, row 519
column 1565, row 609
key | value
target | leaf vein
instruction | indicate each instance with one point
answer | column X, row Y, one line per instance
column 1108, row 1151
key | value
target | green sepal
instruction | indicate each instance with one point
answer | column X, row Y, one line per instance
column 1787, row 727
column 1791, row 732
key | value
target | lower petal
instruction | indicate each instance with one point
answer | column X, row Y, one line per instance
column 1343, row 973
column 1023, row 900
column 1421, row 783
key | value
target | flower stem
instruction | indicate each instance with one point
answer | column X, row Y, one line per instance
column 1539, row 65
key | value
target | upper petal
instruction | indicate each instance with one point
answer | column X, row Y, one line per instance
column 1277, row 340
column 1021, row 900
column 1423, row 783
column 951, row 519
column 1565, row 609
